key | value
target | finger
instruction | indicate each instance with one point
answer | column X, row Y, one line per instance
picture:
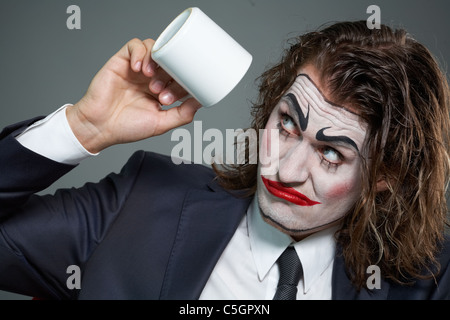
column 181, row 115
column 149, row 67
column 173, row 92
column 134, row 51
column 159, row 81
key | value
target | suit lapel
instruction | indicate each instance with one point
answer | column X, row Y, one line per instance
column 207, row 223
column 342, row 288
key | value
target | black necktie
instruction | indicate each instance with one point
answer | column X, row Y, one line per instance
column 290, row 273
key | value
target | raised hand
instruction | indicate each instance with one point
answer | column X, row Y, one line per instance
column 123, row 102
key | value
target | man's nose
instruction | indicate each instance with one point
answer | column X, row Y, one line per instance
column 295, row 164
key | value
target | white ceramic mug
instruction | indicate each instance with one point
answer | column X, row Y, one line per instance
column 205, row 60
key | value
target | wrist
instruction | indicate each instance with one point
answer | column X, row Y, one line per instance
column 87, row 134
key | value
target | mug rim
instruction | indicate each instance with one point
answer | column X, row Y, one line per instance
column 158, row 41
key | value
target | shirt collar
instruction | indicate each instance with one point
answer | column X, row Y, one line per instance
column 316, row 252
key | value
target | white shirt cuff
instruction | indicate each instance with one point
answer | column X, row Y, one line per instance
column 53, row 138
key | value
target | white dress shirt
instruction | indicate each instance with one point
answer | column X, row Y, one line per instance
column 53, row 138
column 247, row 268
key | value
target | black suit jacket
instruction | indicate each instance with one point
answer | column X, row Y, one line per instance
column 153, row 231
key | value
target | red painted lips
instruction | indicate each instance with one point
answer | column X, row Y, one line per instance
column 287, row 193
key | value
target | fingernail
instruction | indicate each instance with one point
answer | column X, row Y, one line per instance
column 157, row 86
column 149, row 69
column 137, row 66
column 152, row 66
column 166, row 98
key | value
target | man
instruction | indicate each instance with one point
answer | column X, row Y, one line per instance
column 363, row 126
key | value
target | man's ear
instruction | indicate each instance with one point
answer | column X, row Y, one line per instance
column 382, row 185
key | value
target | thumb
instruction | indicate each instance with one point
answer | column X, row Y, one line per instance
column 180, row 115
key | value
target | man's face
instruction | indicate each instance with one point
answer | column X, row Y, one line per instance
column 318, row 178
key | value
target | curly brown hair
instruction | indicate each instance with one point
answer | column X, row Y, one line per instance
column 399, row 90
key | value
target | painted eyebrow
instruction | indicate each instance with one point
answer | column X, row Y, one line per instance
column 320, row 136
column 303, row 120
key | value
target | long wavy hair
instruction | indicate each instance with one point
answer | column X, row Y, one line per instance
column 399, row 90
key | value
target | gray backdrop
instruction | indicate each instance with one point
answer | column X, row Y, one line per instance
column 43, row 65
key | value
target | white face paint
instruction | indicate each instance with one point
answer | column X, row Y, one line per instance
column 318, row 179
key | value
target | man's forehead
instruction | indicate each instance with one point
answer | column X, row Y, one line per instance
column 310, row 98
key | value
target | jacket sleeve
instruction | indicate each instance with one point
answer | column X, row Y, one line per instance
column 41, row 236
column 23, row 172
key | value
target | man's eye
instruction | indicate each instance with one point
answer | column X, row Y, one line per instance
column 288, row 124
column 332, row 155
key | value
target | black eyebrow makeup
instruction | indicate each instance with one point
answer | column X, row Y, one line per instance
column 293, row 104
column 303, row 120
column 320, row 136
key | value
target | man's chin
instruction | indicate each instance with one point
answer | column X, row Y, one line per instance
column 296, row 230
column 287, row 227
